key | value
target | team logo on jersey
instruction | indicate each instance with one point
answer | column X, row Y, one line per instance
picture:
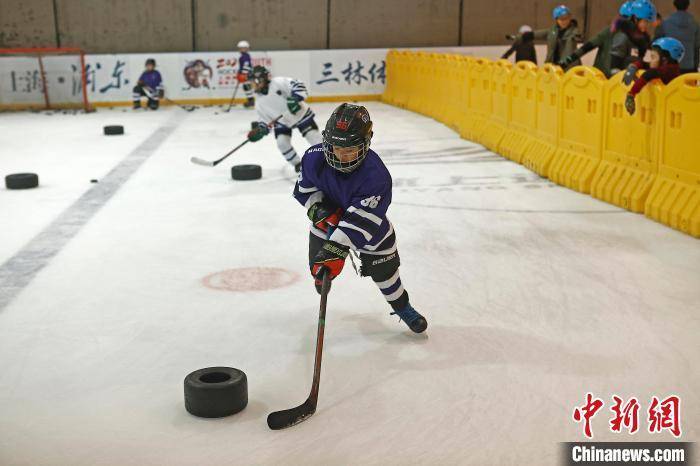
column 371, row 202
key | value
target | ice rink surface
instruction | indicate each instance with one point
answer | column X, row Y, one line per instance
column 534, row 294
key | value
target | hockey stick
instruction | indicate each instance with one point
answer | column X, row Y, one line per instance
column 290, row 417
column 235, row 91
column 207, row 163
column 151, row 96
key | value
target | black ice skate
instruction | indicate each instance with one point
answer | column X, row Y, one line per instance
column 249, row 103
column 413, row 319
column 137, row 104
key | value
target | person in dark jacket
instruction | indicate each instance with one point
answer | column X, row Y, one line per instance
column 620, row 44
column 665, row 55
column 150, row 85
column 561, row 38
column 682, row 26
column 523, row 46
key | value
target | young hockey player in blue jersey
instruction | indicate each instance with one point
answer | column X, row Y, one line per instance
column 150, row 85
column 245, row 68
column 346, row 190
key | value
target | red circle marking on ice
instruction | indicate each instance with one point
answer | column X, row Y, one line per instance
column 250, row 279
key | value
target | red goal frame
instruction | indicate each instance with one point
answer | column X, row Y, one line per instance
column 39, row 52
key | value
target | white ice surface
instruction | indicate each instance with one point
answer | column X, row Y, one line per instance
column 534, row 294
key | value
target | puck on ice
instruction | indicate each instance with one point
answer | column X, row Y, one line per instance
column 216, row 392
column 113, row 130
column 93, row 181
column 246, row 172
column 22, row 181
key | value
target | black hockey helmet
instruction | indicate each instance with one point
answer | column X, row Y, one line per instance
column 260, row 76
column 349, row 126
column 151, row 61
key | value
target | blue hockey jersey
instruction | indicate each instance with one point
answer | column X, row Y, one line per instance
column 245, row 63
column 152, row 80
column 364, row 195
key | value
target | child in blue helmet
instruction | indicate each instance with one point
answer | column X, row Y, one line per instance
column 666, row 53
column 617, row 45
column 561, row 38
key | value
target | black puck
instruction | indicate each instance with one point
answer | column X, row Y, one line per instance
column 113, row 130
column 246, row 172
column 22, row 181
column 216, row 392
column 93, row 181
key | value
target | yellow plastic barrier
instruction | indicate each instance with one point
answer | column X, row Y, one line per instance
column 675, row 196
column 497, row 124
column 464, row 100
column 580, row 129
column 539, row 154
column 416, row 86
column 474, row 123
column 629, row 164
column 437, row 83
column 523, row 111
column 451, row 98
column 395, row 76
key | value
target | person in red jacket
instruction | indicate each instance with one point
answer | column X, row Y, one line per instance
column 666, row 53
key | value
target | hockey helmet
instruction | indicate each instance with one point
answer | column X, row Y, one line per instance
column 151, row 61
column 626, row 9
column 348, row 127
column 559, row 11
column 644, row 9
column 243, row 44
column 260, row 77
column 671, row 47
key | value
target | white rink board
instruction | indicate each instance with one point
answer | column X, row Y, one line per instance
column 211, row 75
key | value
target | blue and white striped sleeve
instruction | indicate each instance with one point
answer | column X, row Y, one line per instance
column 364, row 222
column 305, row 192
column 298, row 90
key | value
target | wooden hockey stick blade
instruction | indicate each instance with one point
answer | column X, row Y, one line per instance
column 198, row 161
column 291, row 417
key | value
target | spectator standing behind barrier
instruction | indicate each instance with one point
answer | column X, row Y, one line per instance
column 523, row 46
column 665, row 55
column 682, row 26
column 561, row 38
column 630, row 33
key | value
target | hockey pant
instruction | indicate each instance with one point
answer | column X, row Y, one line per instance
column 283, row 135
column 153, row 97
column 383, row 268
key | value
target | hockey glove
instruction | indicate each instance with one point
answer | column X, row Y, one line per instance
column 258, row 132
column 567, row 61
column 242, row 77
column 630, row 75
column 293, row 105
column 630, row 105
column 324, row 216
column 330, row 257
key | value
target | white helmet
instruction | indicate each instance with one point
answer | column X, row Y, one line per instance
column 243, row 44
column 524, row 28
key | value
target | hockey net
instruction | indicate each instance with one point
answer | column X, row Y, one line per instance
column 43, row 78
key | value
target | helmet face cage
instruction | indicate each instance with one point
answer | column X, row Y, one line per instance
column 261, row 80
column 345, row 166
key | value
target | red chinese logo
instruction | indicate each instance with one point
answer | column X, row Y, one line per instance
column 662, row 414
column 626, row 416
column 586, row 413
column 665, row 415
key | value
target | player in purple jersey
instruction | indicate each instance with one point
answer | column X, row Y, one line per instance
column 347, row 191
column 150, row 84
column 245, row 68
